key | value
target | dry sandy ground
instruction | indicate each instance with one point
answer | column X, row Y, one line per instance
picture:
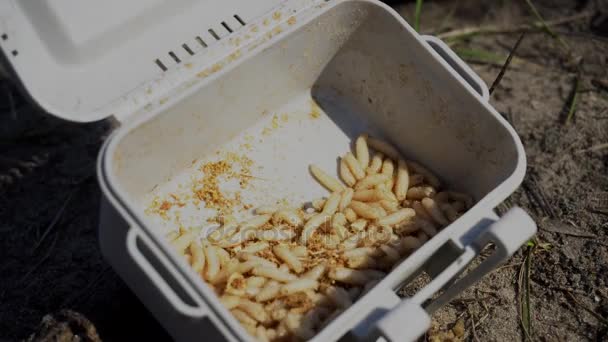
column 49, row 203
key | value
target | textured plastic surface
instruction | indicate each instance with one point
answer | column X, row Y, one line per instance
column 312, row 83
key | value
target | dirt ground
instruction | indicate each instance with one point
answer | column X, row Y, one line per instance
column 50, row 197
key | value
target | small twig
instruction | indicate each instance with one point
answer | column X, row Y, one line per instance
column 593, row 148
column 546, row 205
column 460, row 315
column 533, row 197
column 507, row 266
column 475, row 325
column 538, row 194
column 54, row 221
column 563, row 289
column 580, row 235
column 471, row 31
column 470, row 300
column 507, row 63
column 39, row 263
column 487, row 311
column 524, row 293
column 484, row 317
column 598, row 211
column 593, row 313
column 600, row 83
column 473, row 328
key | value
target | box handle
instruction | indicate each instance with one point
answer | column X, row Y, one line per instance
column 135, row 236
column 411, row 318
column 458, row 65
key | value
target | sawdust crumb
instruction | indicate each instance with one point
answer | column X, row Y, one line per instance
column 207, row 189
column 456, row 334
column 235, row 55
column 216, row 67
column 315, row 110
column 274, row 125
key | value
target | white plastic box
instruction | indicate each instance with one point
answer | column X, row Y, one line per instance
column 364, row 66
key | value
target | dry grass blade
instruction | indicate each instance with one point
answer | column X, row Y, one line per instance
column 480, row 56
column 507, row 63
column 546, row 27
column 417, row 15
column 473, row 325
column 54, row 221
column 524, row 295
column 594, row 148
column 537, row 25
column 537, row 193
column 39, row 263
column 559, row 227
column 572, row 104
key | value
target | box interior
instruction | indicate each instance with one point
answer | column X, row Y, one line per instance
column 300, row 101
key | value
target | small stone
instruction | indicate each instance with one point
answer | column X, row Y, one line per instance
column 535, row 104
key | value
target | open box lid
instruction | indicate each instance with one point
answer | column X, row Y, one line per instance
column 84, row 61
